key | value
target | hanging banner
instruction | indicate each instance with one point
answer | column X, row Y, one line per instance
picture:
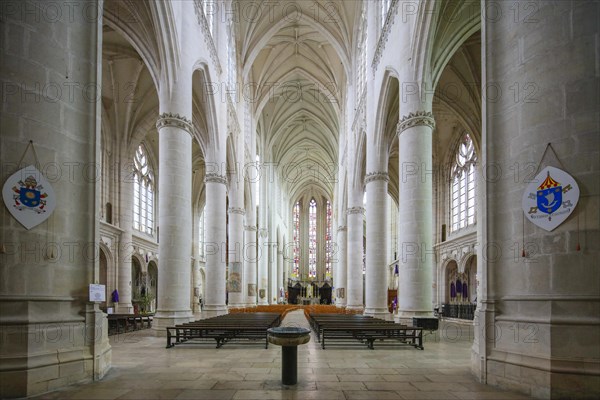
column 550, row 198
column 29, row 196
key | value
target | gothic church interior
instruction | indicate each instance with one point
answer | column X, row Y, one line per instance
column 213, row 155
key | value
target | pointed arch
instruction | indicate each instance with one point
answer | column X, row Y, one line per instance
column 204, row 115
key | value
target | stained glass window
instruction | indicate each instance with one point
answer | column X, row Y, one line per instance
column 312, row 239
column 143, row 192
column 328, row 241
column 462, row 201
column 296, row 219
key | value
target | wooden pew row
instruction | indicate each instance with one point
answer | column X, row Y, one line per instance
column 129, row 322
column 364, row 330
column 225, row 328
column 369, row 333
column 317, row 320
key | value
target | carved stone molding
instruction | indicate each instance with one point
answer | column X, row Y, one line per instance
column 174, row 120
column 355, row 210
column 250, row 228
column 419, row 118
column 216, row 178
column 237, row 210
column 385, row 33
column 377, row 176
column 208, row 39
column 263, row 233
column 342, row 228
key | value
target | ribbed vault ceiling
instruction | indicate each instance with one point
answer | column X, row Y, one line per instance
column 297, row 62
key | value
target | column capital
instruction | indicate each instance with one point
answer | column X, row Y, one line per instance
column 174, row 120
column 250, row 228
column 377, row 176
column 355, row 210
column 237, row 210
column 342, row 228
column 215, row 178
column 418, row 118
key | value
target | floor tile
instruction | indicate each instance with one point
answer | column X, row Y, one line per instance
column 144, row 369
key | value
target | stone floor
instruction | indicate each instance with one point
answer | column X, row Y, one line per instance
column 144, row 369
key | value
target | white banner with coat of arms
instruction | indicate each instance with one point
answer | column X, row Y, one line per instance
column 29, row 196
column 550, row 198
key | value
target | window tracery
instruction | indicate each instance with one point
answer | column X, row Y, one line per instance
column 143, row 192
column 462, row 200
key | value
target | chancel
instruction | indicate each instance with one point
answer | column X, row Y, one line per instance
column 415, row 181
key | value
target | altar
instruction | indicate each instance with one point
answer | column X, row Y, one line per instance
column 309, row 292
column 307, row 301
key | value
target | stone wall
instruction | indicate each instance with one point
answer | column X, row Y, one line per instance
column 50, row 335
column 540, row 320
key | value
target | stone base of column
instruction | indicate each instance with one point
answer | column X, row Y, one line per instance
column 236, row 305
column 263, row 302
column 340, row 305
column 124, row 308
column 381, row 313
column 357, row 308
column 96, row 321
column 196, row 308
column 163, row 319
column 251, row 303
column 405, row 317
column 212, row 310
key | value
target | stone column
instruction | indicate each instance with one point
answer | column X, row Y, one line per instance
column 354, row 290
column 263, row 266
column 280, row 270
column 236, row 265
column 174, row 220
column 215, row 223
column 415, row 231
column 250, row 256
column 376, row 249
column 341, row 279
column 196, row 279
column 124, row 285
column 263, row 244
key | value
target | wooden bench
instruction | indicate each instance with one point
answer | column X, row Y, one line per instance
column 363, row 329
column 320, row 320
column 128, row 322
column 369, row 333
column 224, row 328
